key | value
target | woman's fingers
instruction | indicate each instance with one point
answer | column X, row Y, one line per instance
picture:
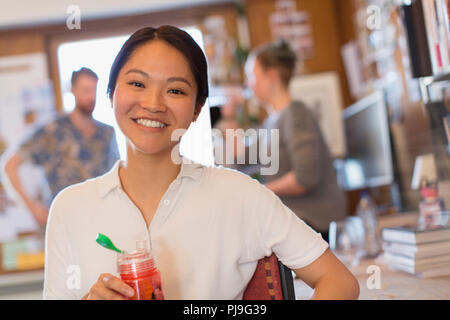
column 109, row 287
column 113, row 283
column 99, row 292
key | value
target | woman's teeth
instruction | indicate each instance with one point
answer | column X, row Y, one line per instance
column 151, row 123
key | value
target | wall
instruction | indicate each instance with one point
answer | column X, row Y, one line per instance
column 21, row 13
column 326, row 34
column 21, row 43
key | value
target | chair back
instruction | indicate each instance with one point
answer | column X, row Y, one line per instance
column 271, row 281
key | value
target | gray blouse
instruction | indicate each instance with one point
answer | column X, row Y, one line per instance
column 302, row 149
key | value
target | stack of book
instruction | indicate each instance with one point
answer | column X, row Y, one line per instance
column 427, row 24
column 424, row 253
column 437, row 30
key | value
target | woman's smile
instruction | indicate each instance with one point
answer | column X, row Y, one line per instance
column 150, row 125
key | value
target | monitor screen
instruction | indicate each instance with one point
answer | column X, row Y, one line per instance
column 369, row 160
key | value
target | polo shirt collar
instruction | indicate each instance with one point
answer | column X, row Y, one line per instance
column 110, row 180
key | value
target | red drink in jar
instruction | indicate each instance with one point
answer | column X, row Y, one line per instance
column 138, row 270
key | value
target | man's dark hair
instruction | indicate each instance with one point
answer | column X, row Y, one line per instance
column 85, row 71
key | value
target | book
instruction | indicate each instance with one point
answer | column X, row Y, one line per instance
column 431, row 27
column 419, row 264
column 419, row 251
column 414, row 20
column 424, row 270
column 410, row 235
column 438, row 270
column 443, row 31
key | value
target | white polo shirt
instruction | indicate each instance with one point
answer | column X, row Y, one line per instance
column 211, row 227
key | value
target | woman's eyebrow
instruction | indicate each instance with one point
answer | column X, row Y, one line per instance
column 173, row 79
column 138, row 71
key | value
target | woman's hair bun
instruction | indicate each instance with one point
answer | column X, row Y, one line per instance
column 279, row 55
column 283, row 45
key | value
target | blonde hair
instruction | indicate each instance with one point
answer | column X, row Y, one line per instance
column 278, row 55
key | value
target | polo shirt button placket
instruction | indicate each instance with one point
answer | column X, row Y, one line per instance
column 167, row 202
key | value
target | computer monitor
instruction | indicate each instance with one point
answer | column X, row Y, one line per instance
column 369, row 160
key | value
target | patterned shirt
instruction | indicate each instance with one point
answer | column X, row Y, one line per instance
column 67, row 156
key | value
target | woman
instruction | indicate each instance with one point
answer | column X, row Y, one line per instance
column 207, row 226
column 306, row 180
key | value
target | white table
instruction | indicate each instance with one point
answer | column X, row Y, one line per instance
column 25, row 285
column 393, row 284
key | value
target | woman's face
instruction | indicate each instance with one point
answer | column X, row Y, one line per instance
column 258, row 79
column 155, row 94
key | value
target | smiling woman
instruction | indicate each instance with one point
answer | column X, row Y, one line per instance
column 154, row 97
column 208, row 226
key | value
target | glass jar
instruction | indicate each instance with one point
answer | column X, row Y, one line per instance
column 138, row 270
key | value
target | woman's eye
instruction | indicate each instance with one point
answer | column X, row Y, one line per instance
column 176, row 91
column 136, row 84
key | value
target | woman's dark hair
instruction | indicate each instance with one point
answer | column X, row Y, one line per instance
column 278, row 55
column 175, row 37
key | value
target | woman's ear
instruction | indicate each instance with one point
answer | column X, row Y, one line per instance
column 197, row 111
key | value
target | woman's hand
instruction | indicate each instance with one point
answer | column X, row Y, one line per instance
column 109, row 287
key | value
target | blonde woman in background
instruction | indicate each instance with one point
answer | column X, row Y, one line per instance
column 306, row 180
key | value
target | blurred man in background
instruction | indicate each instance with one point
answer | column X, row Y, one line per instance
column 71, row 149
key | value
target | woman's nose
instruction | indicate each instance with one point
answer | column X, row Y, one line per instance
column 153, row 101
